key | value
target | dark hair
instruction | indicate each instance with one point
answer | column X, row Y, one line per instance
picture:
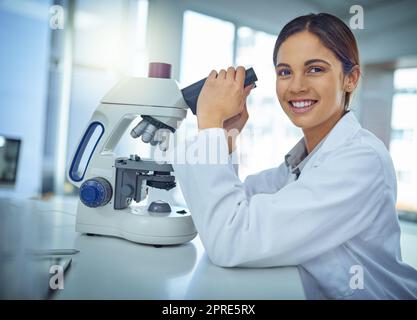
column 333, row 34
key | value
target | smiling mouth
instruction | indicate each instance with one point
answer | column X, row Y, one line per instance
column 301, row 106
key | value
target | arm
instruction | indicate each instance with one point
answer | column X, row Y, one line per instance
column 326, row 207
column 266, row 181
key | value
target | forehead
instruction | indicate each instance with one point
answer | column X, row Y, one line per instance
column 304, row 46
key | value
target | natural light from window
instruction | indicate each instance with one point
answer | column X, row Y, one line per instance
column 404, row 137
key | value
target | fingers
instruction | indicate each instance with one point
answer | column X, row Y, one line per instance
column 248, row 89
column 212, row 75
column 237, row 74
column 230, row 74
column 240, row 75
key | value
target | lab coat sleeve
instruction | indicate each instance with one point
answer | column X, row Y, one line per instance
column 325, row 207
column 266, row 181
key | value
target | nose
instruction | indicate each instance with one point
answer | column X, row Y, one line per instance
column 298, row 84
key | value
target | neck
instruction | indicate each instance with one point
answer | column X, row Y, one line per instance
column 313, row 136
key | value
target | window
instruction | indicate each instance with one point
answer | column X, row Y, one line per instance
column 203, row 51
column 202, row 48
column 404, row 137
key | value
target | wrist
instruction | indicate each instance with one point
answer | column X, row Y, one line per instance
column 205, row 122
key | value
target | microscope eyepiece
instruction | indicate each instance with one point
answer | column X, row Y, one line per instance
column 192, row 92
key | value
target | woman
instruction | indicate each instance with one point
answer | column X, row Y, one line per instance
column 329, row 208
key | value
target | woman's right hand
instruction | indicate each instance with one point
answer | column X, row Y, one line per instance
column 221, row 97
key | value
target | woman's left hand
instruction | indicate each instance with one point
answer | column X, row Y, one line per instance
column 234, row 126
column 221, row 97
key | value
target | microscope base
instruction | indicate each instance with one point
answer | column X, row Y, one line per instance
column 137, row 224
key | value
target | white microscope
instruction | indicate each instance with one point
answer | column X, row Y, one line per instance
column 111, row 189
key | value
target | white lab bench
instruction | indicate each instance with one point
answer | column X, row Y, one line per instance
column 112, row 268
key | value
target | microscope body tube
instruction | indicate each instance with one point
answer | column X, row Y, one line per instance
column 192, row 92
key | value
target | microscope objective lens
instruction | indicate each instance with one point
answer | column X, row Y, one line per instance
column 149, row 133
column 138, row 130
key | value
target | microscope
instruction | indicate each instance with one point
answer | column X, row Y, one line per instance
column 112, row 189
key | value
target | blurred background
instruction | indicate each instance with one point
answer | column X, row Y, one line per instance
column 58, row 58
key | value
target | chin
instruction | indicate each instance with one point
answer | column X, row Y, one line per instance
column 303, row 122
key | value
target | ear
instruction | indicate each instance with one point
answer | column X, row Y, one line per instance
column 352, row 79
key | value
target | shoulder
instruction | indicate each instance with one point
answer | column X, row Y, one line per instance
column 363, row 151
column 368, row 140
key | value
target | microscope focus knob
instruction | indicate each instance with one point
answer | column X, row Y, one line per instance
column 95, row 192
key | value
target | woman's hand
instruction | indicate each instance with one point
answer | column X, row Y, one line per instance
column 238, row 121
column 234, row 125
column 221, row 97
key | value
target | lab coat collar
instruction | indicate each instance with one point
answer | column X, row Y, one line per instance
column 298, row 157
column 345, row 128
column 296, row 154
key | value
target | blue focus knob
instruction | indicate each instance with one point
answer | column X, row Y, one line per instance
column 95, row 192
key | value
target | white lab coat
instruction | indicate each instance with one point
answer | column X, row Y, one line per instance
column 337, row 222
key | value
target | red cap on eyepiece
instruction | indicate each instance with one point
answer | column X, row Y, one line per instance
column 159, row 70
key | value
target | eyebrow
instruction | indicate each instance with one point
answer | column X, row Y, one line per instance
column 308, row 62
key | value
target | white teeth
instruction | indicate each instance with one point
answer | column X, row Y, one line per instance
column 302, row 104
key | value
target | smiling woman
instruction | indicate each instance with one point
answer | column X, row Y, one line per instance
column 317, row 64
column 329, row 208
column 333, row 34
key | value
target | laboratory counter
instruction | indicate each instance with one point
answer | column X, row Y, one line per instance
column 112, row 268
